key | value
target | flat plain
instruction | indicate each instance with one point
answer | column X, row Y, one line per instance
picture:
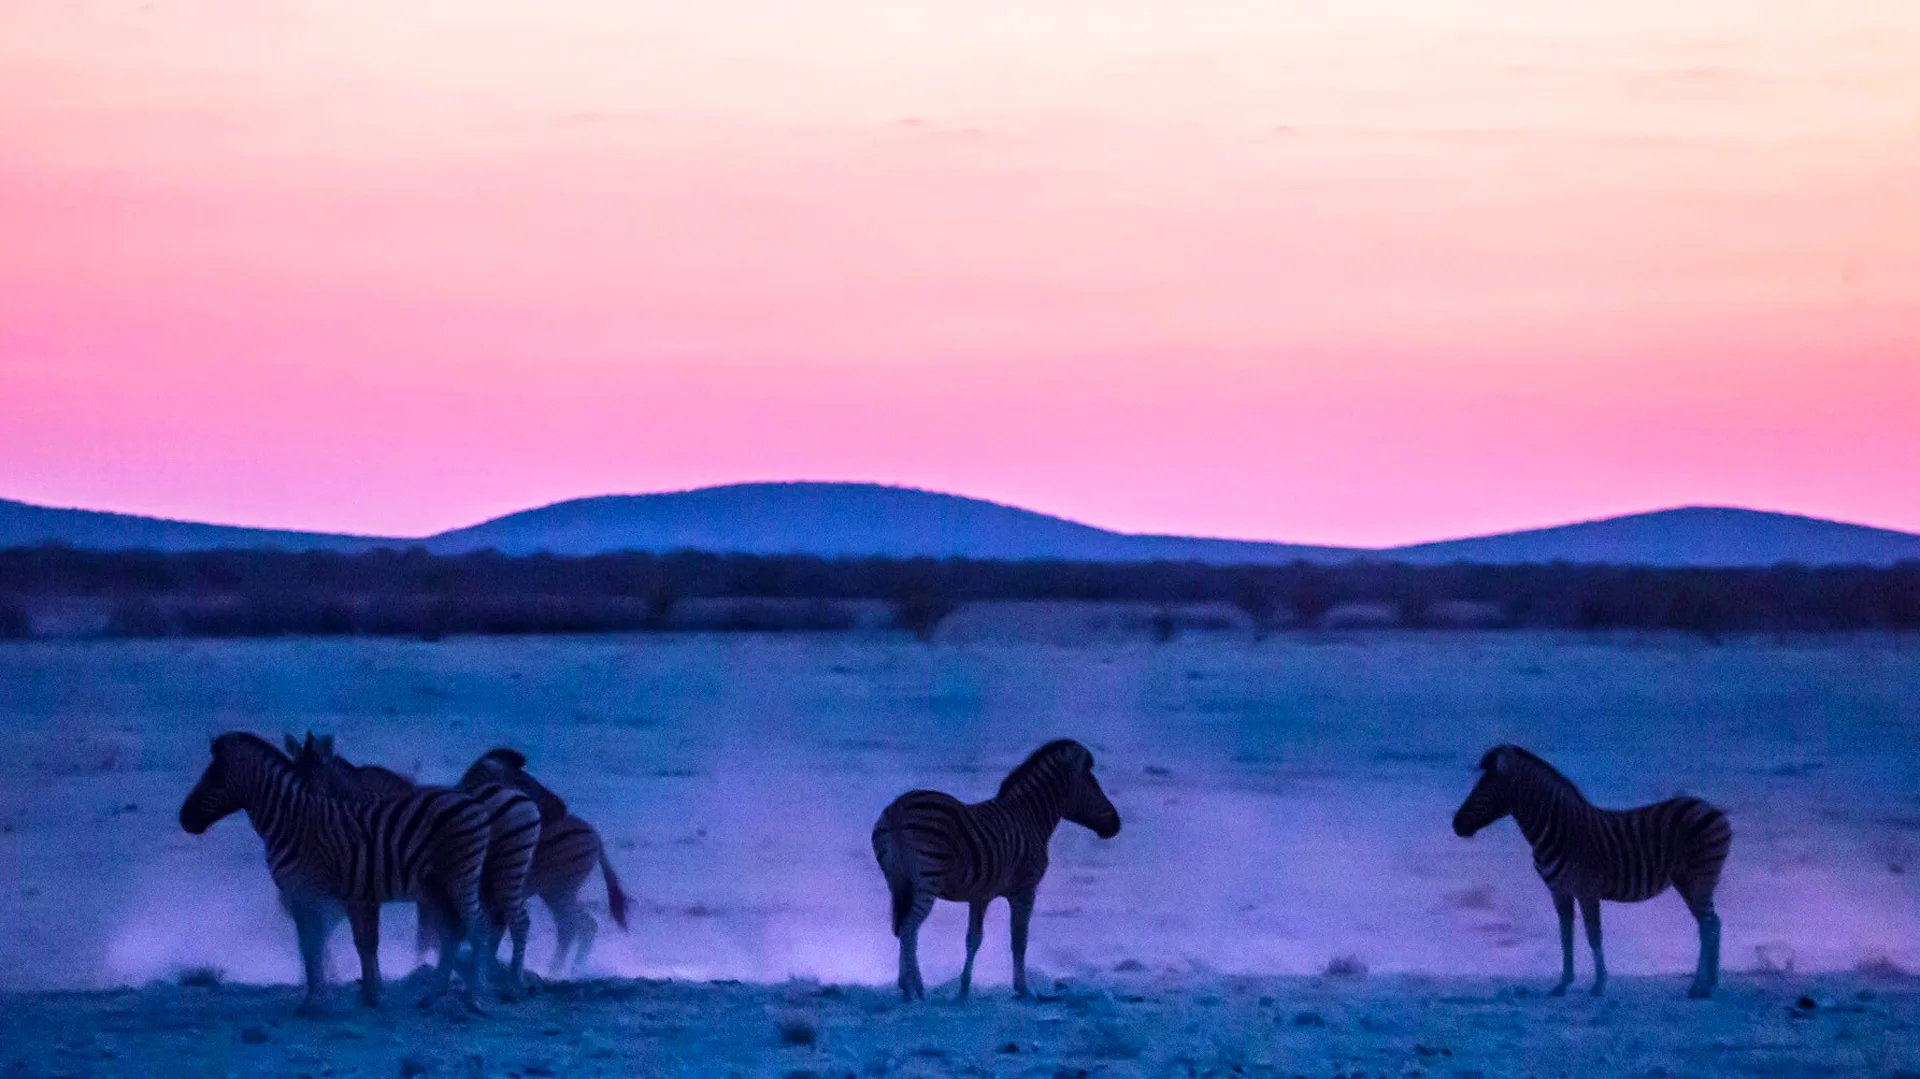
column 1286, row 807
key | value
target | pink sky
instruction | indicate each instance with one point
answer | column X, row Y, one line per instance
column 1358, row 271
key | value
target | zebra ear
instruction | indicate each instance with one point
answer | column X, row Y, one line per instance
column 293, row 745
column 326, row 745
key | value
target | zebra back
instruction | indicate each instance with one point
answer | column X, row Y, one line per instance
column 509, row 766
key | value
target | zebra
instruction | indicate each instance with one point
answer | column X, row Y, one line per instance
column 1586, row 854
column 513, row 823
column 931, row 846
column 328, row 857
column 569, row 850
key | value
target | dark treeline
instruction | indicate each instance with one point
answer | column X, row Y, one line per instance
column 248, row 593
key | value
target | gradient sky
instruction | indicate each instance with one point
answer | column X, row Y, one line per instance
column 1336, row 270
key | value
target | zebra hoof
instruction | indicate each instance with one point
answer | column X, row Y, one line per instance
column 1599, row 990
column 1700, row 992
column 310, row 1009
column 1557, row 991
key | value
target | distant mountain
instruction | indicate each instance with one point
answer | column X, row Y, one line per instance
column 1689, row 536
column 860, row 519
column 26, row 525
column 836, row 519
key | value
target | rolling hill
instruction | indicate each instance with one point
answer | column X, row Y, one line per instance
column 25, row 525
column 835, row 519
column 858, row 519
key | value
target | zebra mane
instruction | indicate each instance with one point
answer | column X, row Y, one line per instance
column 1058, row 748
column 254, row 742
column 1536, row 766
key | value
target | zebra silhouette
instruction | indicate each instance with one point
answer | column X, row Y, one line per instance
column 1586, row 854
column 330, row 857
column 513, row 827
column 932, row 846
column 569, row 850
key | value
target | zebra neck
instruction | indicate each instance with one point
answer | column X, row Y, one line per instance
column 1547, row 810
column 279, row 808
column 1033, row 810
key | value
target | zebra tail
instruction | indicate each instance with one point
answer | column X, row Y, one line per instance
column 901, row 868
column 616, row 898
column 427, row 933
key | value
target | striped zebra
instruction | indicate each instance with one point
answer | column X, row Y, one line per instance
column 569, row 850
column 513, row 825
column 932, row 846
column 330, row 857
column 1587, row 854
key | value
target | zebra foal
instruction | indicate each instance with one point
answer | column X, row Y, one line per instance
column 932, row 846
column 513, row 831
column 1586, row 854
column 328, row 856
column 569, row 850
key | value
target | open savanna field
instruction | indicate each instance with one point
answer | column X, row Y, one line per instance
column 1286, row 807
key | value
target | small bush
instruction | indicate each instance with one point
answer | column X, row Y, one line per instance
column 921, row 607
column 202, row 978
column 798, row 1031
column 16, row 622
column 138, row 617
column 1346, row 966
column 1313, row 599
column 1259, row 604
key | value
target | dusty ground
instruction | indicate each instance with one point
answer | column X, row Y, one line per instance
column 1286, row 806
column 1125, row 1026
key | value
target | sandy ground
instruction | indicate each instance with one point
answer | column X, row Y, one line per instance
column 1286, row 807
column 1127, row 1026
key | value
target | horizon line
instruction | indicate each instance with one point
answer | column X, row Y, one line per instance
column 907, row 487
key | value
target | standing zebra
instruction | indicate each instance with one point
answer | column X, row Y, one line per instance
column 326, row 855
column 513, row 826
column 1587, row 854
column 569, row 850
column 931, row 846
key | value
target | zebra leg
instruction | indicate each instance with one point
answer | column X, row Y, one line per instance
column 566, row 926
column 1563, row 906
column 589, row 929
column 1021, row 904
column 976, row 923
column 522, row 922
column 364, row 916
column 912, row 986
column 1590, row 914
column 446, row 924
column 310, row 922
column 1706, row 974
column 465, row 911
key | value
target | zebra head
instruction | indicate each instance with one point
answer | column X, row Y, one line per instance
column 239, row 759
column 1492, row 797
column 1088, row 805
column 1062, row 771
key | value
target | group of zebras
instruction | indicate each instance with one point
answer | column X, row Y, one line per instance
column 342, row 838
